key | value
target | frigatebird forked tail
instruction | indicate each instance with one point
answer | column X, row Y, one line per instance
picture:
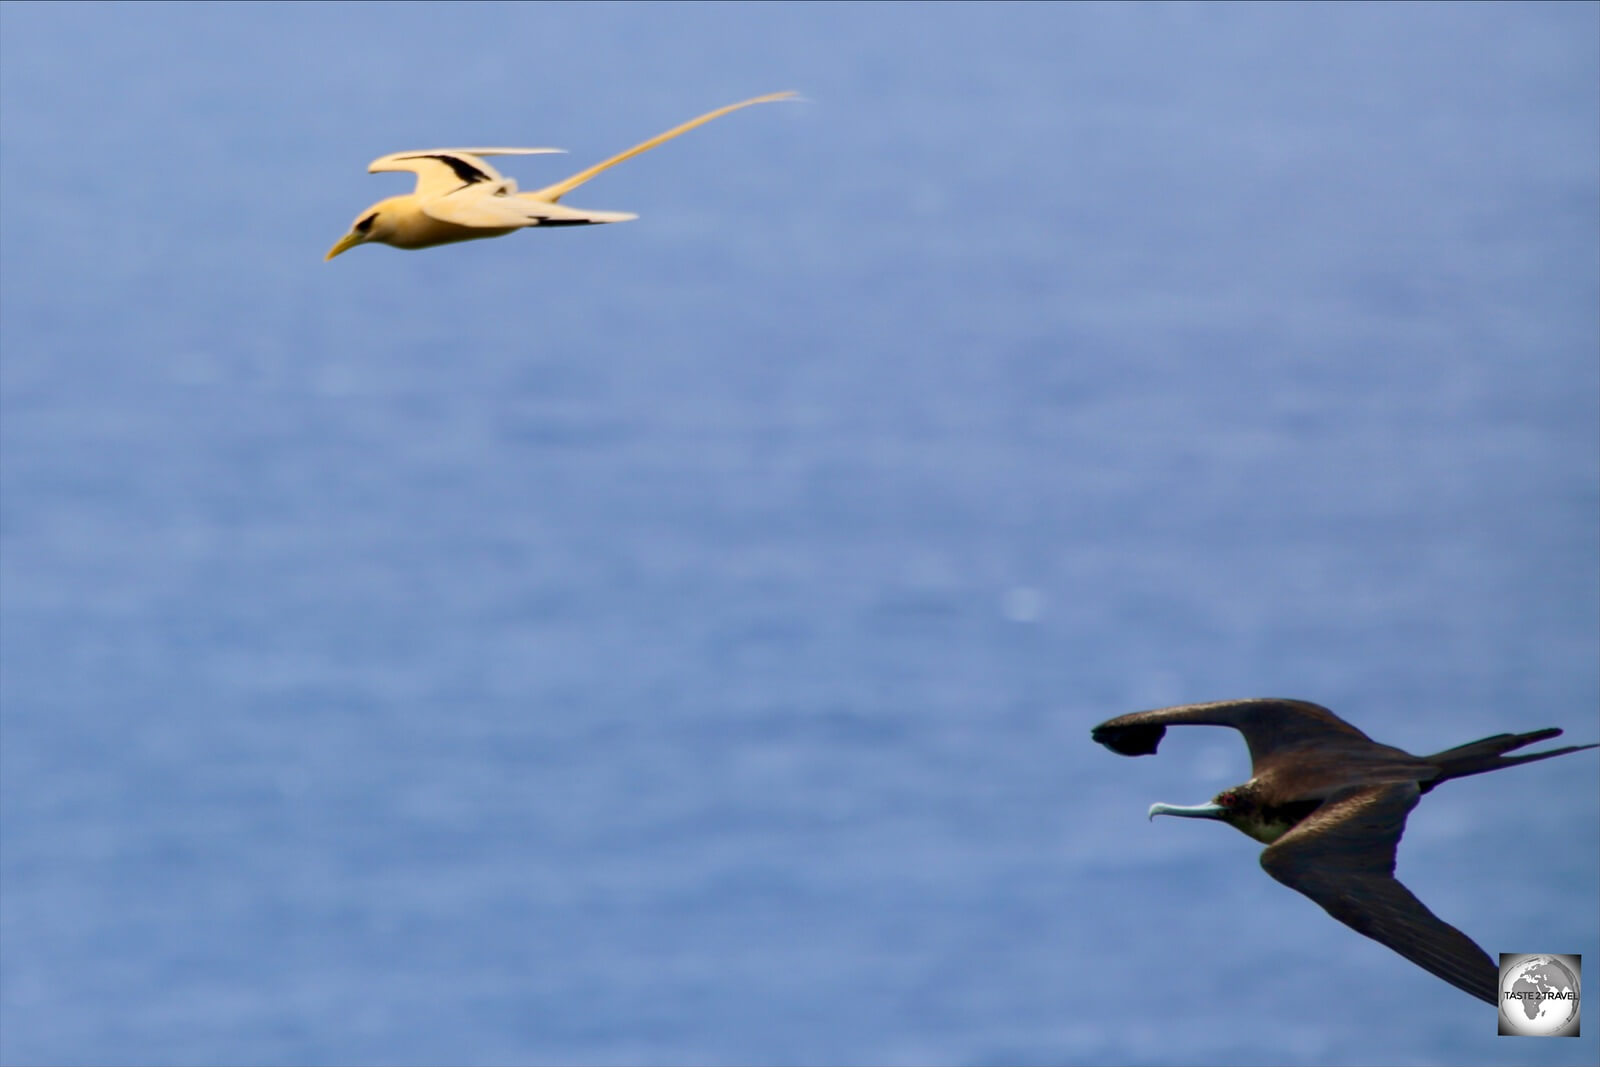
column 1489, row 755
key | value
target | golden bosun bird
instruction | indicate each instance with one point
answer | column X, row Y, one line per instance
column 459, row 197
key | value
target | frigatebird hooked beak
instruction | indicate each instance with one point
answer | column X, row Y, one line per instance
column 1330, row 804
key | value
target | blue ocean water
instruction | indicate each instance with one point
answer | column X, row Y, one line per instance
column 676, row 642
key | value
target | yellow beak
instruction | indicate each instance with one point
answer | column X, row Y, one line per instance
column 348, row 241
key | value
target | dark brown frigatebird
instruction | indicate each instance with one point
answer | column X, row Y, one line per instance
column 1330, row 804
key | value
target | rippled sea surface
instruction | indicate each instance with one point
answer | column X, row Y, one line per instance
column 677, row 642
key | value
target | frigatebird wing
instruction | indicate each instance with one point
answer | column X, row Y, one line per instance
column 1342, row 857
column 1267, row 724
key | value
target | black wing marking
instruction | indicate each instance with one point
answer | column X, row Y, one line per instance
column 468, row 173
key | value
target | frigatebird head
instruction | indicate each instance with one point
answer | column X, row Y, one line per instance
column 1239, row 807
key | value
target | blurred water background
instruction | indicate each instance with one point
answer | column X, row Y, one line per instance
column 677, row 642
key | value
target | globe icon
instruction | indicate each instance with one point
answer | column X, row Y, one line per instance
column 1539, row 997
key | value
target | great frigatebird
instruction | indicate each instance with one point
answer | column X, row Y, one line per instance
column 1330, row 804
